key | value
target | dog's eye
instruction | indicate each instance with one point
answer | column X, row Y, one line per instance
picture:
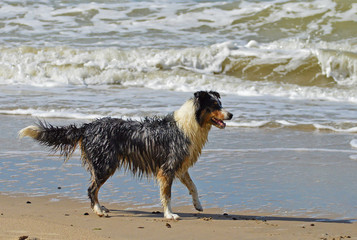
column 216, row 104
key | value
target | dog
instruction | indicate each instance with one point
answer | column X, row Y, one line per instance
column 163, row 147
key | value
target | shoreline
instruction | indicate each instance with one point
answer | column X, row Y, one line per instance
column 56, row 217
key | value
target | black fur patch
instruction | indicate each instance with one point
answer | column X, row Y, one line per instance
column 206, row 101
column 62, row 139
column 109, row 143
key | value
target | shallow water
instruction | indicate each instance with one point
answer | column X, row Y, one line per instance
column 285, row 172
column 88, row 103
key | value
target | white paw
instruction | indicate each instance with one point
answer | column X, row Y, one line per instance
column 172, row 216
column 99, row 211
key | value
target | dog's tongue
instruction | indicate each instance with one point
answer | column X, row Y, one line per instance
column 218, row 123
column 222, row 124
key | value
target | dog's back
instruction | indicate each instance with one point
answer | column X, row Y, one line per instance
column 141, row 147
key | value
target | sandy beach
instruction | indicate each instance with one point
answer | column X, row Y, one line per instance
column 53, row 217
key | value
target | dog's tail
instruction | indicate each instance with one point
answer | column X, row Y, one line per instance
column 63, row 139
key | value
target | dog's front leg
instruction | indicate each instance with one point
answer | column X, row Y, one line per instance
column 165, row 182
column 187, row 181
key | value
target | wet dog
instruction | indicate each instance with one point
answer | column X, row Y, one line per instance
column 161, row 147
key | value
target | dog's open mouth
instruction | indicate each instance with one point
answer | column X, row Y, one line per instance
column 218, row 123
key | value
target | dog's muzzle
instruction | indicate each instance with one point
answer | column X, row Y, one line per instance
column 219, row 122
column 228, row 115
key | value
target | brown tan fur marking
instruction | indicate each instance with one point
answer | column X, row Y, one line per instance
column 217, row 114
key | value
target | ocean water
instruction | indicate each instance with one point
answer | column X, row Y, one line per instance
column 287, row 69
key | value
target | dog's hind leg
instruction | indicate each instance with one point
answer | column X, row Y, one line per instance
column 93, row 196
column 165, row 182
column 187, row 181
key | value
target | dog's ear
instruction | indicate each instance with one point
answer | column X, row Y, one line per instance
column 215, row 94
column 200, row 94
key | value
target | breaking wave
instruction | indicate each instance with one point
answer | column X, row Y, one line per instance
column 288, row 68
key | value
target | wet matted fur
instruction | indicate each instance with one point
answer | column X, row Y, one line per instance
column 163, row 147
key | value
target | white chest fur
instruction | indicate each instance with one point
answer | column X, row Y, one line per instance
column 185, row 118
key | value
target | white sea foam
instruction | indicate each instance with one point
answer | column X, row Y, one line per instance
column 285, row 123
column 66, row 113
column 127, row 23
column 251, row 124
column 280, row 150
column 340, row 65
column 334, row 129
column 186, row 69
column 58, row 113
column 353, row 143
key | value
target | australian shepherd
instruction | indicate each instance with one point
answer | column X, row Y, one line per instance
column 162, row 147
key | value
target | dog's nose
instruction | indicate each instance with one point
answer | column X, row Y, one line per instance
column 230, row 115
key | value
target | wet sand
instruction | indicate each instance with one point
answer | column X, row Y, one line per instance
column 24, row 217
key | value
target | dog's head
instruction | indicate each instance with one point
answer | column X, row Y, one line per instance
column 209, row 109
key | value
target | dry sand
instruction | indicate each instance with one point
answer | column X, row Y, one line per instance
column 52, row 217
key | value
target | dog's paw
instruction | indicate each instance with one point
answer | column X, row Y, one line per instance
column 100, row 214
column 172, row 216
column 104, row 209
column 198, row 206
column 100, row 211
